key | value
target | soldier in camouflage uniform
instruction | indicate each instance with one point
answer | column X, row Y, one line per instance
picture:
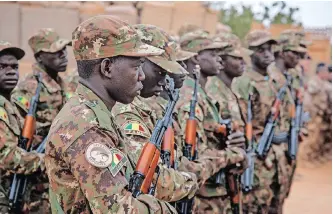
column 211, row 198
column 88, row 158
column 13, row 158
column 138, row 119
column 256, row 81
column 273, row 175
column 51, row 56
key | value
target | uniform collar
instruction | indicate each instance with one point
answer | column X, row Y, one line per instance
column 88, row 95
column 140, row 103
column 256, row 76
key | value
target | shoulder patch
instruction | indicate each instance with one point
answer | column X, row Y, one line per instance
column 99, row 155
column 23, row 101
column 198, row 111
column 4, row 115
column 136, row 128
column 68, row 95
column 118, row 161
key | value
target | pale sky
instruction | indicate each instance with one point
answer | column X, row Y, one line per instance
column 311, row 13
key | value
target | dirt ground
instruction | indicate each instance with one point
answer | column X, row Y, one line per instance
column 311, row 192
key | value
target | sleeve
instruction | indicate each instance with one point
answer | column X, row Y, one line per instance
column 107, row 193
column 23, row 93
column 13, row 158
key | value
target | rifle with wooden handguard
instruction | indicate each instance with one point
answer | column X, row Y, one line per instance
column 141, row 180
column 247, row 176
column 232, row 181
column 19, row 183
column 267, row 136
column 190, row 147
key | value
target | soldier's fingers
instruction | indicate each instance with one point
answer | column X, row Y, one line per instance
column 235, row 135
column 237, row 140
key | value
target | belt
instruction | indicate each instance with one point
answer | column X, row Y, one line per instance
column 280, row 138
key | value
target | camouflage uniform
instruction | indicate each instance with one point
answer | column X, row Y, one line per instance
column 13, row 158
column 211, row 198
column 52, row 98
column 272, row 175
column 73, row 81
column 87, row 157
column 138, row 120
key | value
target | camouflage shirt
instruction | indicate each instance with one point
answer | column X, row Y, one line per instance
column 52, row 98
column 88, row 161
column 13, row 159
column 138, row 120
column 225, row 99
column 208, row 117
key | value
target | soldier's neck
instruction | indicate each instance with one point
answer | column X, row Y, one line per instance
column 94, row 85
column 280, row 65
column 203, row 80
column 52, row 73
column 6, row 95
column 262, row 71
column 227, row 80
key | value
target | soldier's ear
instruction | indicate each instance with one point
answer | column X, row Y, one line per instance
column 106, row 67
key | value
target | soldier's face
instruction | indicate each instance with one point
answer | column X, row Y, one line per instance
column 178, row 79
column 55, row 61
column 263, row 56
column 9, row 73
column 291, row 58
column 210, row 62
column 155, row 79
column 126, row 79
column 234, row 66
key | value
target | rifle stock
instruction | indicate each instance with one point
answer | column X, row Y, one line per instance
column 168, row 147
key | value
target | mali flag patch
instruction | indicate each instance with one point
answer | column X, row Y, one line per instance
column 136, row 128
column 118, row 161
column 24, row 101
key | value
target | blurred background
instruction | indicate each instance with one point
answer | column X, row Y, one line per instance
column 19, row 20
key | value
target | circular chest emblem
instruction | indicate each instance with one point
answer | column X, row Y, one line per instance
column 99, row 155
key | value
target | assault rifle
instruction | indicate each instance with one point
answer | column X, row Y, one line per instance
column 141, row 180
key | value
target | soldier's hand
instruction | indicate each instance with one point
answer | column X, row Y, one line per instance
column 240, row 166
column 42, row 162
column 236, row 139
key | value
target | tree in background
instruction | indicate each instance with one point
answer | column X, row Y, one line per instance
column 240, row 17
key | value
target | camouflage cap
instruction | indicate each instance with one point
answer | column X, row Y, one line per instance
column 187, row 28
column 200, row 40
column 107, row 36
column 47, row 40
column 258, row 37
column 299, row 34
column 182, row 55
column 7, row 47
column 158, row 38
column 290, row 42
column 235, row 46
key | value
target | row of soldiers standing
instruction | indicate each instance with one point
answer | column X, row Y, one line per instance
column 96, row 124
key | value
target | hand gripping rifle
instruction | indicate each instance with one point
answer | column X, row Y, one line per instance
column 19, row 182
column 232, row 181
column 247, row 177
column 141, row 180
column 190, row 147
column 267, row 136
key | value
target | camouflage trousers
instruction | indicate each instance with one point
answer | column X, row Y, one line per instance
column 272, row 182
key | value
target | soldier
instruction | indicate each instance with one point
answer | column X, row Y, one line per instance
column 256, row 82
column 211, row 197
column 138, row 119
column 13, row 158
column 87, row 157
column 51, row 56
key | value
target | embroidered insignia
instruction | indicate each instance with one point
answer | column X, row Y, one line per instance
column 99, row 155
column 24, row 101
column 3, row 115
column 118, row 161
column 136, row 128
